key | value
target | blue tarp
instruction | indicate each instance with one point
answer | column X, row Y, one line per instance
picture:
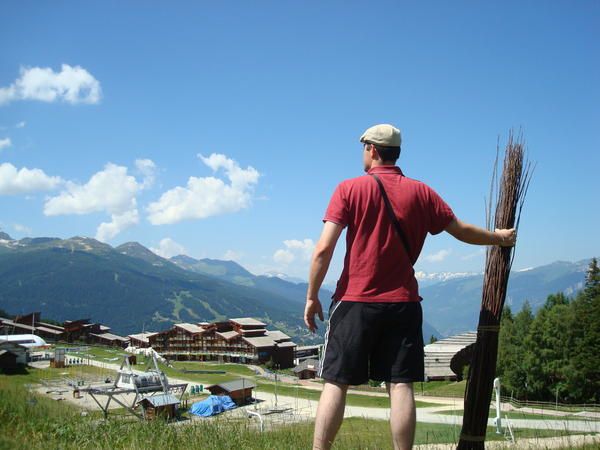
column 213, row 405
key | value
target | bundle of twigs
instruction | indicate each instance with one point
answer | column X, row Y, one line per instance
column 516, row 175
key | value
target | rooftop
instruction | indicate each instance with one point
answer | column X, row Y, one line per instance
column 161, row 400
column 190, row 327
column 235, row 385
column 277, row 335
column 248, row 321
column 260, row 341
column 109, row 336
column 141, row 336
column 228, row 334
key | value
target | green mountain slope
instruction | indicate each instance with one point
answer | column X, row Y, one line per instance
column 70, row 280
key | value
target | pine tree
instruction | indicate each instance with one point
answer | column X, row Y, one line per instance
column 584, row 375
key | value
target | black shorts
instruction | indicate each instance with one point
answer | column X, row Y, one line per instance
column 377, row 341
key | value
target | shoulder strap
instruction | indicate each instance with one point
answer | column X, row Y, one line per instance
column 392, row 215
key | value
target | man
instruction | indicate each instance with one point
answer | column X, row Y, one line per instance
column 374, row 329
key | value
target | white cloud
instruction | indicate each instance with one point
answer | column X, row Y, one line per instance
column 148, row 170
column 119, row 222
column 111, row 190
column 283, row 257
column 232, row 255
column 438, row 256
column 71, row 85
column 24, row 181
column 168, row 248
column 294, row 249
column 21, row 228
column 5, row 143
column 20, row 124
column 208, row 196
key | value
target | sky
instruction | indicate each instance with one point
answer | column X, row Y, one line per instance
column 220, row 129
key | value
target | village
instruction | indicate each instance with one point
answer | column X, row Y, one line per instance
column 236, row 368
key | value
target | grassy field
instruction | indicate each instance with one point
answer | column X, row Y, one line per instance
column 30, row 421
column 516, row 415
column 441, row 388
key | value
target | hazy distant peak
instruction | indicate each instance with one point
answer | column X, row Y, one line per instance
column 5, row 237
column 443, row 276
column 284, row 277
column 184, row 259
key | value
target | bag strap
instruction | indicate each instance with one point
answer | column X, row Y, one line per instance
column 392, row 215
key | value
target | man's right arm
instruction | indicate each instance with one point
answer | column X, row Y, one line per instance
column 472, row 234
column 318, row 269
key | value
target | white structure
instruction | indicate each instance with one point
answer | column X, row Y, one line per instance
column 446, row 358
column 25, row 340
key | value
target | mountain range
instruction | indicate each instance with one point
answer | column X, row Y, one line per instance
column 131, row 289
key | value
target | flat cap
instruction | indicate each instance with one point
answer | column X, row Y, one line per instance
column 384, row 134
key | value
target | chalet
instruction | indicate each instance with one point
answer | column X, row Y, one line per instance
column 164, row 406
column 240, row 391
column 140, row 340
column 18, row 351
column 240, row 340
column 31, row 324
column 307, row 369
column 108, row 339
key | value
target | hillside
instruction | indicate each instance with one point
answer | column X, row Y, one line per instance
column 453, row 306
column 75, row 278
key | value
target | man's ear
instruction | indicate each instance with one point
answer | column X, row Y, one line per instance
column 374, row 153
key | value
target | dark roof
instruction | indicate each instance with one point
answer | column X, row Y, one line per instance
column 307, row 364
column 235, row 385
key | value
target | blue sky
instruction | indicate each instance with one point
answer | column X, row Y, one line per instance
column 221, row 130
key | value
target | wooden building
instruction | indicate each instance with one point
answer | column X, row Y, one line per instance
column 164, row 406
column 31, row 324
column 241, row 340
column 140, row 340
column 307, row 369
column 445, row 359
column 18, row 351
column 109, row 339
column 8, row 361
column 240, row 391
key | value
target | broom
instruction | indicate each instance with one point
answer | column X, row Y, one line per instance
column 516, row 175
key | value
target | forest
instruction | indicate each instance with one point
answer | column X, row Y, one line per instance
column 554, row 353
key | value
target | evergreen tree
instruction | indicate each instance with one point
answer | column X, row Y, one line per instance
column 512, row 350
column 584, row 376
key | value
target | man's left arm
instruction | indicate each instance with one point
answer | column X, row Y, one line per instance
column 472, row 234
column 318, row 269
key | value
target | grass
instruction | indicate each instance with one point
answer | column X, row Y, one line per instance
column 29, row 421
column 517, row 415
column 441, row 388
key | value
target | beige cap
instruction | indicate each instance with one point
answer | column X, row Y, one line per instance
column 385, row 135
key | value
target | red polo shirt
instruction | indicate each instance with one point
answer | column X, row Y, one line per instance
column 376, row 266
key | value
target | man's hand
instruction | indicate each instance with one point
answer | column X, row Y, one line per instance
column 508, row 237
column 313, row 306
